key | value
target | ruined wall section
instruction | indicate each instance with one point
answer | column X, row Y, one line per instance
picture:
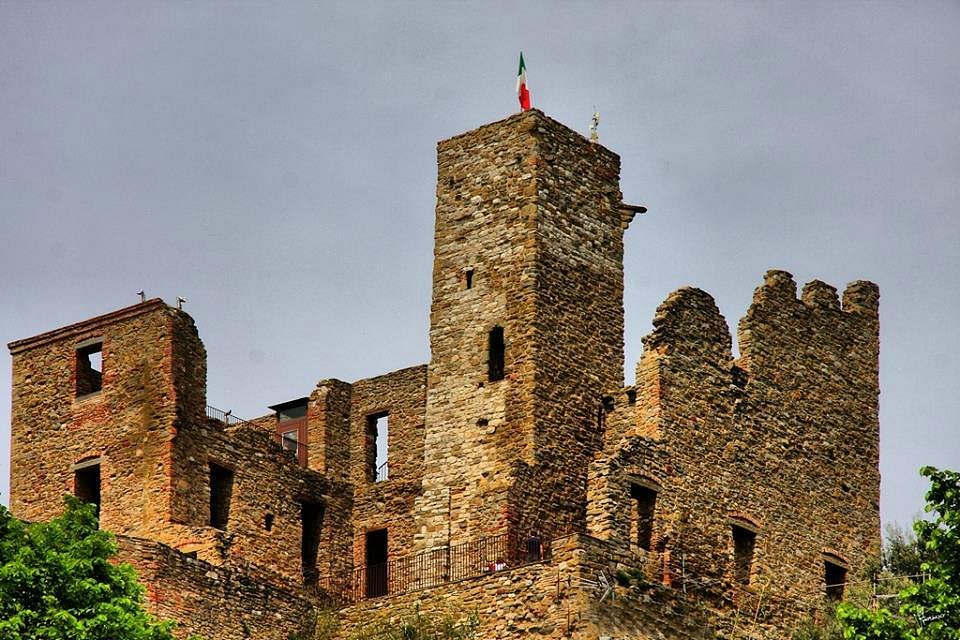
column 390, row 503
column 264, row 527
column 128, row 424
column 810, row 417
column 328, row 429
column 783, row 441
column 683, row 381
column 212, row 601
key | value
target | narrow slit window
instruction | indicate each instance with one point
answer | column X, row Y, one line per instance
column 495, row 354
column 744, row 542
column 221, row 491
column 86, row 483
column 89, row 368
column 643, row 505
column 468, row 279
column 311, row 523
column 378, row 446
column 835, row 577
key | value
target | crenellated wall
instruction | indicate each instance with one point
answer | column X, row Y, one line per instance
column 783, row 441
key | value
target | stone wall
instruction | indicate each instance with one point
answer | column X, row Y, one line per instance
column 783, row 442
column 559, row 598
column 128, row 424
column 388, row 504
column 215, row 602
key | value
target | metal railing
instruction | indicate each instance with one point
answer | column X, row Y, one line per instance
column 226, row 417
column 293, row 446
column 382, row 473
column 432, row 568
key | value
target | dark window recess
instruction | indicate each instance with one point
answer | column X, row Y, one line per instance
column 744, row 542
column 86, row 484
column 311, row 522
column 89, row 369
column 495, row 354
column 221, row 490
column 835, row 577
column 376, row 560
column 268, row 522
column 377, row 447
column 468, row 277
column 644, row 502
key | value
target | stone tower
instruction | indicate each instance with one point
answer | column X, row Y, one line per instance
column 526, row 327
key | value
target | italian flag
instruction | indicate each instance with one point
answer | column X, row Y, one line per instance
column 523, row 92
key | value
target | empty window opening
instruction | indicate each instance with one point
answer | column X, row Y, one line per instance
column 376, row 561
column 631, row 396
column 311, row 522
column 744, row 541
column 86, row 482
column 378, row 446
column 643, row 505
column 221, row 490
column 89, row 368
column 268, row 522
column 835, row 577
column 468, row 278
column 495, row 354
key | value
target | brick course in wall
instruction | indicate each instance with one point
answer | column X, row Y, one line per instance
column 721, row 485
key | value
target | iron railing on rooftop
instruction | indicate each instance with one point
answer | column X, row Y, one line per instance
column 433, row 568
column 226, row 417
column 290, row 444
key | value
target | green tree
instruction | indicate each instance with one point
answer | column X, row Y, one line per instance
column 57, row 582
column 928, row 609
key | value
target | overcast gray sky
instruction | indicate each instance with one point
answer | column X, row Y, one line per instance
column 275, row 164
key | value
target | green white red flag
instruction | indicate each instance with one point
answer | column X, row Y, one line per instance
column 523, row 92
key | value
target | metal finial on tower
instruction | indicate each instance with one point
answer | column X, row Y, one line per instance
column 180, row 301
column 594, row 123
column 143, row 296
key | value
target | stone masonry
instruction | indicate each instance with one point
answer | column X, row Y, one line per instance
column 523, row 482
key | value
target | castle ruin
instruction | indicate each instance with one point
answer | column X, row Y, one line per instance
column 521, row 478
